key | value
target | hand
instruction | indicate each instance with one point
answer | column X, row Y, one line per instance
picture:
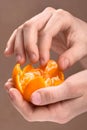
column 51, row 29
column 57, row 104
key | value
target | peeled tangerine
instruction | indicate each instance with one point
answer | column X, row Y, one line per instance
column 29, row 79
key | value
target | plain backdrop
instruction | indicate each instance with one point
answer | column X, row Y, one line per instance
column 12, row 14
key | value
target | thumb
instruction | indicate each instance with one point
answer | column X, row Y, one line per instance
column 51, row 95
column 71, row 56
column 48, row 95
column 67, row 90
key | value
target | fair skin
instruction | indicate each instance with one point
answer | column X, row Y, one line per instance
column 66, row 35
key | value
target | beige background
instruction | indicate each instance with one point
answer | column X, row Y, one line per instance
column 12, row 14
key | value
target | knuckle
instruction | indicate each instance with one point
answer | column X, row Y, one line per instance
column 49, row 9
column 18, row 29
column 60, row 11
column 27, row 25
column 64, row 14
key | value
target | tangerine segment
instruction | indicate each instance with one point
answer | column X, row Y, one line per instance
column 56, row 81
column 51, row 69
column 61, row 75
column 26, row 79
column 16, row 75
column 53, row 81
column 33, row 85
column 32, row 74
column 27, row 68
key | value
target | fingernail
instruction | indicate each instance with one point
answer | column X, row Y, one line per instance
column 18, row 58
column 42, row 62
column 36, row 98
column 33, row 57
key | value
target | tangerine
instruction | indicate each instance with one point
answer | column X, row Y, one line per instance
column 29, row 79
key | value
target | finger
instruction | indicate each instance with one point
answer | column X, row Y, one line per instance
column 30, row 44
column 52, row 95
column 19, row 46
column 57, row 44
column 31, row 29
column 60, row 21
column 27, row 110
column 10, row 45
column 71, row 56
column 60, row 112
column 67, row 90
column 20, row 104
column 44, row 48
